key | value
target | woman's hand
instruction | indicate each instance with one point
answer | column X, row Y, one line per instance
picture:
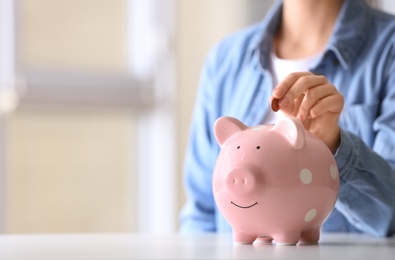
column 315, row 102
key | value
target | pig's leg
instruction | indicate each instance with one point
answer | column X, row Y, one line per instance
column 243, row 238
column 264, row 240
column 287, row 238
column 310, row 236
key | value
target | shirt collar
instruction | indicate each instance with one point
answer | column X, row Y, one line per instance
column 261, row 43
column 349, row 34
column 351, row 31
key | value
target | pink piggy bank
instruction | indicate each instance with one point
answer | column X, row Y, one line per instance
column 273, row 182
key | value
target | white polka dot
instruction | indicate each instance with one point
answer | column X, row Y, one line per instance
column 333, row 171
column 305, row 176
column 310, row 215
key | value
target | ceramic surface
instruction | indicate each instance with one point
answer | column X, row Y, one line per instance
column 273, row 182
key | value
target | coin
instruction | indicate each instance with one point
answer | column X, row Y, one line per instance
column 274, row 104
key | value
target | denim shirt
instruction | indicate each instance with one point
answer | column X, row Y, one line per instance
column 359, row 60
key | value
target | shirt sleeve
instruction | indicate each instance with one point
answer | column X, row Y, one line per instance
column 198, row 214
column 366, row 155
column 367, row 187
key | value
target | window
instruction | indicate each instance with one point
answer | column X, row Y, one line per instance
column 80, row 66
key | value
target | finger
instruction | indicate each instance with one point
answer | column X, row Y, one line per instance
column 292, row 109
column 331, row 104
column 312, row 96
column 297, row 104
column 302, row 85
column 283, row 87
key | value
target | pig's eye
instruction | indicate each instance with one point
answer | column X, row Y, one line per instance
column 258, row 147
column 238, row 147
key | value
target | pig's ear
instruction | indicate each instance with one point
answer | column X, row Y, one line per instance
column 293, row 130
column 225, row 127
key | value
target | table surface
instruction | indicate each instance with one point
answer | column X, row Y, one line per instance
column 176, row 246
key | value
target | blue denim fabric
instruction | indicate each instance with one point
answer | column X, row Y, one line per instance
column 359, row 60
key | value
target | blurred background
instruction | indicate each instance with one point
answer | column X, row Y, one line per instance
column 95, row 105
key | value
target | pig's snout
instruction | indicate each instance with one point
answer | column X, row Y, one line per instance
column 242, row 182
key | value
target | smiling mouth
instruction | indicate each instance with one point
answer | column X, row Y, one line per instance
column 246, row 207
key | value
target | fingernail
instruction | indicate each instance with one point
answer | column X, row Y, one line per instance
column 300, row 117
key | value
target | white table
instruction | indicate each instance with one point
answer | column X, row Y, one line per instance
column 207, row 246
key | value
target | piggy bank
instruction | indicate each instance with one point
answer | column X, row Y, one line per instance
column 273, row 182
